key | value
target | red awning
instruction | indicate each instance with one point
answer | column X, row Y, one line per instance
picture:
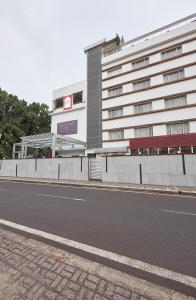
column 163, row 141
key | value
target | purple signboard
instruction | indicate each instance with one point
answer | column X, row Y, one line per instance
column 69, row 127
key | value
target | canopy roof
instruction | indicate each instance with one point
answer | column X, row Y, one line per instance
column 48, row 140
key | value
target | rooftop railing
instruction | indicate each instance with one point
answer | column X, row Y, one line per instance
column 167, row 28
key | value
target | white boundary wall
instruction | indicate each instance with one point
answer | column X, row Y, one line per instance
column 157, row 169
column 53, row 168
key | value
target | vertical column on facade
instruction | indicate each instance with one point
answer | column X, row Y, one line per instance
column 94, row 95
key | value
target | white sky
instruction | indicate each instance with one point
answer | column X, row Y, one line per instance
column 42, row 41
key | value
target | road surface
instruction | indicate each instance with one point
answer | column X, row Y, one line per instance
column 158, row 230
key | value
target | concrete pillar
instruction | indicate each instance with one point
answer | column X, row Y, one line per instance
column 14, row 151
column 53, row 145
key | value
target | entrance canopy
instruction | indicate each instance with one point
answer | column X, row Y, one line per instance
column 47, row 140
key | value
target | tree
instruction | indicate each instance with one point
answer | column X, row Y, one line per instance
column 17, row 119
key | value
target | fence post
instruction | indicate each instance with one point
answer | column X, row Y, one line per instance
column 106, row 164
column 88, row 169
column 81, row 164
column 59, row 170
column 140, row 168
column 35, row 164
column 183, row 164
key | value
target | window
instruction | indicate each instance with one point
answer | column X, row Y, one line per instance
column 173, row 75
column 114, row 113
column 141, row 108
column 141, row 84
column 115, row 71
column 115, row 92
column 143, row 151
column 171, row 52
column 116, row 135
column 77, row 98
column 143, row 132
column 153, row 151
column 175, row 101
column 140, row 63
column 177, row 128
column 174, row 150
column 58, row 103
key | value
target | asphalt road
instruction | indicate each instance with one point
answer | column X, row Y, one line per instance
column 153, row 228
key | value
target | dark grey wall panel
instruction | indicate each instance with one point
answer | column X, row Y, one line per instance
column 94, row 98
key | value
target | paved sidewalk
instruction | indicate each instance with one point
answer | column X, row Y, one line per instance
column 111, row 185
column 33, row 270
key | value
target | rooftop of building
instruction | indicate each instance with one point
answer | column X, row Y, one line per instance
column 142, row 38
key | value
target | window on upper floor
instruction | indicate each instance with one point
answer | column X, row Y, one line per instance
column 115, row 91
column 143, row 131
column 77, row 97
column 58, row 103
column 141, row 84
column 116, row 135
column 177, row 128
column 174, row 51
column 139, row 63
column 175, row 101
column 114, row 113
column 114, row 71
column 172, row 76
column 142, row 108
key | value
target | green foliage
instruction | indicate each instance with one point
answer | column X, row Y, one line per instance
column 18, row 118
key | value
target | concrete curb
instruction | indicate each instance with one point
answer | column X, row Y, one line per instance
column 108, row 186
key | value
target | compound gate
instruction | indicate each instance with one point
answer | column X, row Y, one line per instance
column 95, row 168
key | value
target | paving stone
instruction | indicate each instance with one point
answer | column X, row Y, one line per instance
column 81, row 294
column 50, row 275
column 73, row 286
column 93, row 278
column 55, row 266
column 82, row 277
column 60, row 268
column 44, row 277
column 109, row 290
column 102, row 286
column 122, row 291
column 69, row 294
column 35, row 292
column 32, row 266
column 89, row 295
column 66, row 274
column 70, row 268
column 50, row 295
column 134, row 296
column 98, row 297
column 119, row 297
column 90, row 285
column 56, row 282
column 76, row 275
column 61, row 285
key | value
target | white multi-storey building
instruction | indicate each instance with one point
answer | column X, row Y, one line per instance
column 139, row 95
column 149, row 90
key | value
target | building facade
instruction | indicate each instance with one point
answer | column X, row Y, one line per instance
column 68, row 117
column 149, row 91
column 139, row 96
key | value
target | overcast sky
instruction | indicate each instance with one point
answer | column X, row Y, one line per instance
column 42, row 41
